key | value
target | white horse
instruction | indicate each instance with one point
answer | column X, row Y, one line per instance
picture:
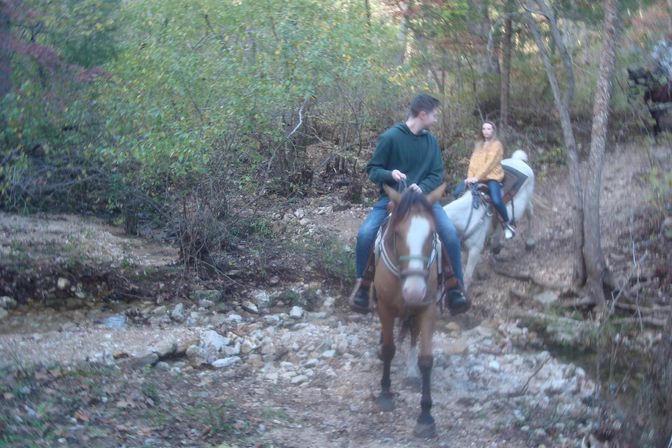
column 475, row 225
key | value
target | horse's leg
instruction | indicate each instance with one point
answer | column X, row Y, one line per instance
column 473, row 256
column 529, row 215
column 386, row 399
column 412, row 372
column 496, row 241
column 425, row 426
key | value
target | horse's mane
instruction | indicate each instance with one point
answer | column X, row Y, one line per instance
column 408, row 200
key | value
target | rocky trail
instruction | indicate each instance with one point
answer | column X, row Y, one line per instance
column 287, row 364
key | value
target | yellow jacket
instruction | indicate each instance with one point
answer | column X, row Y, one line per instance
column 485, row 162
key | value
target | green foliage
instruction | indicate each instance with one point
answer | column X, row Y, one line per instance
column 661, row 189
column 83, row 30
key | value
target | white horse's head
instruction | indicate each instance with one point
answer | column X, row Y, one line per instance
column 519, row 154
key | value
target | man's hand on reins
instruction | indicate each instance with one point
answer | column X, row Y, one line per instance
column 398, row 176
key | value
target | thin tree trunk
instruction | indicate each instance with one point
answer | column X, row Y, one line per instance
column 367, row 7
column 562, row 103
column 403, row 33
column 592, row 250
column 505, row 80
column 5, row 53
column 5, row 61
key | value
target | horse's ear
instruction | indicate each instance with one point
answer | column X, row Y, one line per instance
column 393, row 194
column 435, row 195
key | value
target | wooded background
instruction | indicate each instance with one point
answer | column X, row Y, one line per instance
column 174, row 112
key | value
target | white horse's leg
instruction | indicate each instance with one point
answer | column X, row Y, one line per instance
column 529, row 214
column 412, row 371
column 496, row 240
column 473, row 256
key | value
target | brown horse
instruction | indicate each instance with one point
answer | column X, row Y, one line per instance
column 405, row 287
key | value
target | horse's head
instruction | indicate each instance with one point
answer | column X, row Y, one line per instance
column 411, row 237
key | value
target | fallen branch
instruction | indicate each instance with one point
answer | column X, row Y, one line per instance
column 525, row 278
column 643, row 320
column 643, row 309
column 584, row 302
column 527, row 383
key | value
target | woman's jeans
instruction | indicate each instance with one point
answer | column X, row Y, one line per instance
column 495, row 195
column 444, row 227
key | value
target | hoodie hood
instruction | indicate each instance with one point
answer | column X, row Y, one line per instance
column 406, row 130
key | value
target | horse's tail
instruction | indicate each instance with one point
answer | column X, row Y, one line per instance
column 519, row 154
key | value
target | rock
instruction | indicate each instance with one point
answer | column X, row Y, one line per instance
column 196, row 354
column 115, row 322
column 237, row 318
column 7, row 303
column 211, row 295
column 183, row 346
column 3, row 313
column 457, row 347
column 231, row 350
column 547, row 297
column 225, row 362
column 247, row 346
column 212, row 339
column 159, row 310
column 453, row 327
column 178, row 313
column 62, row 283
column 666, row 228
column 140, row 361
column 494, row 365
column 261, row 297
column 296, row 312
column 165, row 349
column 298, row 379
column 250, row 307
column 328, row 354
column 205, row 303
column 163, row 366
column 299, row 213
column 328, row 303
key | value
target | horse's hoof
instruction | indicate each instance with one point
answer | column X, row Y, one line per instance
column 425, row 430
column 386, row 402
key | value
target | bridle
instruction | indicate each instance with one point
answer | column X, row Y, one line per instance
column 391, row 266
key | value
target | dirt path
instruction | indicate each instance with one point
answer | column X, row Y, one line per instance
column 266, row 374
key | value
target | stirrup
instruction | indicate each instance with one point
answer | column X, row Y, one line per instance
column 509, row 231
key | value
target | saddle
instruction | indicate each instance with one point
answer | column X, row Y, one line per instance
column 513, row 180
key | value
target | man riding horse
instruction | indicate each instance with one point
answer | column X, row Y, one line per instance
column 408, row 153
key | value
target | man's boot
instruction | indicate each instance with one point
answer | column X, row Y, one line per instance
column 457, row 301
column 359, row 298
column 453, row 295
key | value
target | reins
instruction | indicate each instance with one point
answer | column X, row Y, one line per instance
column 390, row 264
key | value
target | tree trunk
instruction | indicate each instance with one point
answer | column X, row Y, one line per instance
column 562, row 102
column 592, row 250
column 367, row 7
column 5, row 53
column 403, row 33
column 505, row 80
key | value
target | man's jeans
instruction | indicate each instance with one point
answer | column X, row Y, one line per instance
column 444, row 226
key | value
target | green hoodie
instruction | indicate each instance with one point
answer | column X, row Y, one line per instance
column 417, row 156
